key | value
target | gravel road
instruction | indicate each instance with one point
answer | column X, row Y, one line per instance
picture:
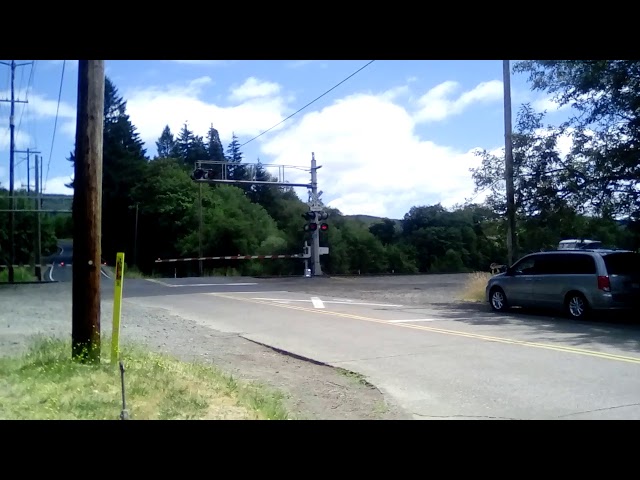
column 313, row 391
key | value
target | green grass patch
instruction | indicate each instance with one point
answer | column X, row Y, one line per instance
column 20, row 274
column 356, row 377
column 474, row 288
column 46, row 384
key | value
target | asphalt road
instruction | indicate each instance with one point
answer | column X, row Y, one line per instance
column 442, row 360
column 61, row 264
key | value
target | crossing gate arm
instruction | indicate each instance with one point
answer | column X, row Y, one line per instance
column 231, row 257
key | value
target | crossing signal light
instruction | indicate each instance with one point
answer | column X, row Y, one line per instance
column 324, row 227
column 323, row 215
column 311, row 227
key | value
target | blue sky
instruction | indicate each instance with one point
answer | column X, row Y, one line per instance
column 397, row 134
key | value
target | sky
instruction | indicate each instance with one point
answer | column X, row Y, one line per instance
column 398, row 134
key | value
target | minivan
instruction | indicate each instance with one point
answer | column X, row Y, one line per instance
column 576, row 281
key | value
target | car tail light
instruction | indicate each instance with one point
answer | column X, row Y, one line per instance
column 604, row 284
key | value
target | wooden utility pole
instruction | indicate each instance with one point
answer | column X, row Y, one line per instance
column 12, row 146
column 87, row 212
column 508, row 165
column 38, row 237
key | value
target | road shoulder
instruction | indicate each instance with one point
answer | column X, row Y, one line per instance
column 313, row 390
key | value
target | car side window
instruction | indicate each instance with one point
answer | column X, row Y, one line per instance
column 526, row 266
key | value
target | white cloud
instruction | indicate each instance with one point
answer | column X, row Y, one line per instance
column 437, row 104
column 254, row 88
column 373, row 162
column 548, row 104
column 56, row 185
column 22, row 139
column 40, row 107
column 151, row 109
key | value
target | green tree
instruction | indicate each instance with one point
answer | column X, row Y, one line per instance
column 166, row 143
column 604, row 167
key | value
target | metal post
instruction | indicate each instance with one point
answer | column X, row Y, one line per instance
column 315, row 236
column 508, row 160
column 28, row 173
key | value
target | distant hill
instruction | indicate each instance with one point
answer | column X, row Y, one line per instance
column 56, row 202
column 369, row 220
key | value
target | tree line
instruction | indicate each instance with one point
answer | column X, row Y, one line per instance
column 151, row 206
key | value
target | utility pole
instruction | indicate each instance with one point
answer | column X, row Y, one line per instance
column 28, row 152
column 87, row 212
column 508, row 167
column 135, row 239
column 315, row 236
column 200, row 230
column 38, row 236
column 12, row 128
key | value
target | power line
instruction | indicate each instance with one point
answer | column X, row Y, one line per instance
column 55, row 125
column 313, row 101
column 33, row 66
column 26, row 105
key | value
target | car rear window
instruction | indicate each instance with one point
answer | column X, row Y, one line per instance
column 624, row 263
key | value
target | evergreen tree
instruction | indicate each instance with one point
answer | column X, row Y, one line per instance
column 166, row 143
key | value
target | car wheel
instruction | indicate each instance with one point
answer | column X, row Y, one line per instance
column 498, row 300
column 577, row 306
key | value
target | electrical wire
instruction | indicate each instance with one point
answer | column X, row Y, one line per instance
column 55, row 125
column 29, row 82
column 26, row 106
column 313, row 101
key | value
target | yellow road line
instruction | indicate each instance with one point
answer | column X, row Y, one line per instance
column 458, row 333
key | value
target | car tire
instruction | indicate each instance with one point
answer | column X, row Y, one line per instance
column 498, row 300
column 576, row 306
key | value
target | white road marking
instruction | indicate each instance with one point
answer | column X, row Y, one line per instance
column 104, row 273
column 214, row 285
column 201, row 284
column 253, row 293
column 317, row 303
column 416, row 320
column 53, row 264
column 326, row 301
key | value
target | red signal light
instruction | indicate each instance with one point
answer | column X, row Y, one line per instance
column 324, row 227
column 313, row 227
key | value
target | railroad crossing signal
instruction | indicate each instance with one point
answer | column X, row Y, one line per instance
column 313, row 218
column 323, row 216
column 311, row 225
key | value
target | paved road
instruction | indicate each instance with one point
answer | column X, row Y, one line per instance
column 61, row 263
column 61, row 269
column 446, row 361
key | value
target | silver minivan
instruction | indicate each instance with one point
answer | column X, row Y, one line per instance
column 576, row 281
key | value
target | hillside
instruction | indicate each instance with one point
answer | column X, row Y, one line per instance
column 369, row 219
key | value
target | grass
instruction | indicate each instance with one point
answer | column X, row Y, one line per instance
column 20, row 274
column 46, row 384
column 474, row 289
column 355, row 376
